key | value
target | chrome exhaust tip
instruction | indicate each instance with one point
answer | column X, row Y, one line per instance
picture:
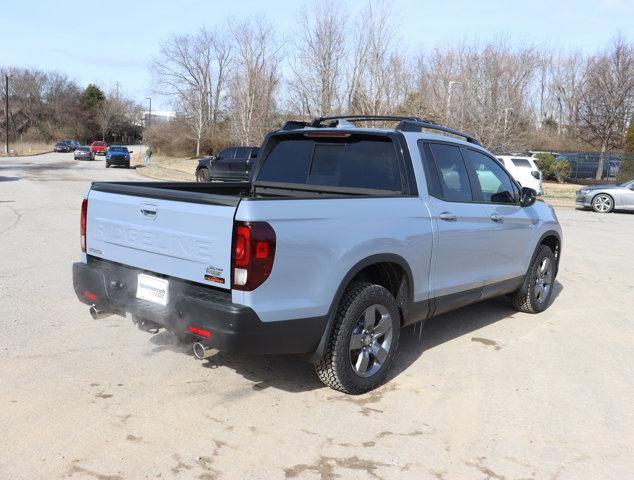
column 96, row 314
column 202, row 351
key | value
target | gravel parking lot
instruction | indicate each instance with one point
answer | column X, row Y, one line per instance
column 485, row 392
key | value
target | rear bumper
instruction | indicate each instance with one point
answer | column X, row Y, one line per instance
column 235, row 328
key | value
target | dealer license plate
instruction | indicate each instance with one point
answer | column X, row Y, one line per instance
column 152, row 289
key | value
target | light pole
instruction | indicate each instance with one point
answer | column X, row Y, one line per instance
column 506, row 122
column 149, row 118
column 6, row 110
column 449, row 88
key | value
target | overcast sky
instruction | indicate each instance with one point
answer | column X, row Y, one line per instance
column 105, row 42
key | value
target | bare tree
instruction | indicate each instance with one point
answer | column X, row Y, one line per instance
column 608, row 93
column 255, row 80
column 113, row 112
column 192, row 70
column 378, row 77
column 318, row 56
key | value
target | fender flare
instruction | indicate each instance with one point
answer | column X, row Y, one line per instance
column 366, row 262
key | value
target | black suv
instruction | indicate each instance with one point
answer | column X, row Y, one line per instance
column 232, row 164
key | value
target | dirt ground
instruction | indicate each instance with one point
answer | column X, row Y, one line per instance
column 483, row 392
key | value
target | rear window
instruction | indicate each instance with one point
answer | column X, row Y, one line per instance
column 520, row 162
column 99, row 144
column 354, row 162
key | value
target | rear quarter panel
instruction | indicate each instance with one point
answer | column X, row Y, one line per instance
column 320, row 240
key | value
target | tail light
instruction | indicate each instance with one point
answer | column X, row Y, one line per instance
column 82, row 224
column 253, row 254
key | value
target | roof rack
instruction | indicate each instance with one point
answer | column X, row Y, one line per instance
column 318, row 122
column 406, row 124
column 418, row 125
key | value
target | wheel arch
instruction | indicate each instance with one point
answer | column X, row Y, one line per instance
column 395, row 268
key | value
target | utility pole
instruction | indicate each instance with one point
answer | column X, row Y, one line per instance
column 449, row 88
column 116, row 86
column 6, row 110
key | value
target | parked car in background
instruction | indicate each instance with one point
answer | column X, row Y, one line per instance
column 586, row 164
column 98, row 148
column 524, row 170
column 83, row 153
column 118, row 155
column 605, row 198
column 63, row 146
column 233, row 164
column 75, row 144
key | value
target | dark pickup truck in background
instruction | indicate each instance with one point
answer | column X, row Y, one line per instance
column 232, row 164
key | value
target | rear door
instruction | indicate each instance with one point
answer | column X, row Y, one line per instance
column 459, row 266
column 510, row 225
column 239, row 164
column 182, row 239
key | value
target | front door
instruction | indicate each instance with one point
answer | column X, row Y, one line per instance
column 508, row 248
column 462, row 229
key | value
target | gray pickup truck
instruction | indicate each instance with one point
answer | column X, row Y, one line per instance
column 345, row 236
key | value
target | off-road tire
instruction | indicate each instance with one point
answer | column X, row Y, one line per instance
column 525, row 299
column 203, row 175
column 335, row 369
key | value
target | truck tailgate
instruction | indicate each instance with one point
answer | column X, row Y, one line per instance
column 190, row 240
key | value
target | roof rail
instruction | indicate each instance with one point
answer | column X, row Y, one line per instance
column 317, row 122
column 418, row 125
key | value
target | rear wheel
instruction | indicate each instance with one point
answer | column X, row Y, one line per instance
column 603, row 203
column 202, row 175
column 535, row 294
column 363, row 340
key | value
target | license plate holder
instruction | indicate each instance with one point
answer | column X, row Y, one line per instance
column 152, row 289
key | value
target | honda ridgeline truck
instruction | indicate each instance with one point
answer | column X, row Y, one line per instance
column 345, row 236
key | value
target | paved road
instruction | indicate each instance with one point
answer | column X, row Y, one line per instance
column 484, row 393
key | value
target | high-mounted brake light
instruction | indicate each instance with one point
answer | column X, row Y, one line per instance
column 327, row 134
column 253, row 254
column 82, row 224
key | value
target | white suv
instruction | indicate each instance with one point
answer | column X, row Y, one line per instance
column 524, row 170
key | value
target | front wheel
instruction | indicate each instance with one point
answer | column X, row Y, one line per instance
column 363, row 340
column 107, row 165
column 534, row 295
column 602, row 203
column 202, row 175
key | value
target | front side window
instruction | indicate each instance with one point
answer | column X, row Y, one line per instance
column 227, row 153
column 494, row 182
column 452, row 173
column 242, row 152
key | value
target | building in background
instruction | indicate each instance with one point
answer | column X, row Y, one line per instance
column 158, row 116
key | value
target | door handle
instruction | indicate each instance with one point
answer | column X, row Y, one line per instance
column 447, row 216
column 496, row 217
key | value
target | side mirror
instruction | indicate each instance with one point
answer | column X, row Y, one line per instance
column 527, row 197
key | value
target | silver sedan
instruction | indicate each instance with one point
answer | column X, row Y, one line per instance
column 605, row 198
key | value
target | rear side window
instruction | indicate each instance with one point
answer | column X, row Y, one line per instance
column 355, row 162
column 452, row 173
column 520, row 162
